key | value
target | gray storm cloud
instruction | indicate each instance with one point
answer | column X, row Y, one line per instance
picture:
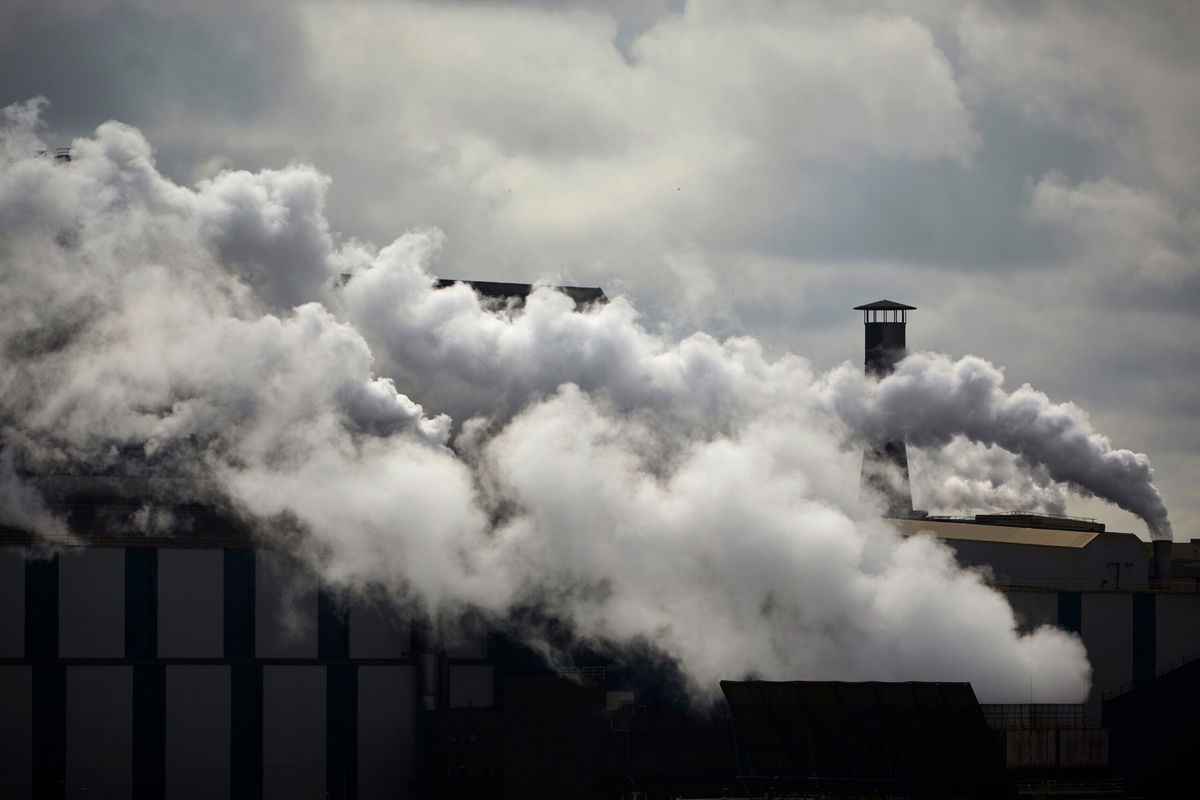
column 690, row 493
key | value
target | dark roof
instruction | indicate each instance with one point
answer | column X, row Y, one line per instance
column 835, row 738
column 582, row 295
column 885, row 305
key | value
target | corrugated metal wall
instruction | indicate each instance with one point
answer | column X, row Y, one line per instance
column 203, row 673
column 1127, row 634
column 175, row 672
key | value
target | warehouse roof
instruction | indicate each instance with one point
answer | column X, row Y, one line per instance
column 863, row 739
column 976, row 532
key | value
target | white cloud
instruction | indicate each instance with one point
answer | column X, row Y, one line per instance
column 550, row 134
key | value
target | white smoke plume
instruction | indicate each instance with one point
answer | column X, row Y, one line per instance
column 694, row 495
column 930, row 399
column 965, row 475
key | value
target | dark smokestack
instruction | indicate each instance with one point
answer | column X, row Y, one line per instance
column 885, row 465
column 1162, row 559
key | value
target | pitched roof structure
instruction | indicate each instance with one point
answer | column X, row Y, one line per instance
column 885, row 305
column 1010, row 534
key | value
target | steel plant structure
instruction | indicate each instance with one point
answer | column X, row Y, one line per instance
column 206, row 664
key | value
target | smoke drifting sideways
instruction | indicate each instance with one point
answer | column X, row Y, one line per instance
column 692, row 496
column 930, row 401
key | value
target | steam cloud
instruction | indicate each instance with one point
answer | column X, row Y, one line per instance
column 969, row 475
column 693, row 494
column 929, row 400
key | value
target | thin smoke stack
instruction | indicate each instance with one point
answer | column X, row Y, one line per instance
column 691, row 495
column 885, row 462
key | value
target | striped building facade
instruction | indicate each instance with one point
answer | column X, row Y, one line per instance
column 209, row 672
column 196, row 667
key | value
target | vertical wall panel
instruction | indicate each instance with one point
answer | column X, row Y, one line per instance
column 1108, row 634
column 386, row 732
column 1034, row 609
column 99, row 731
column 12, row 602
column 91, row 603
column 333, row 633
column 16, row 731
column 246, row 732
column 285, row 608
column 293, row 733
column 190, row 603
column 141, row 602
column 196, row 763
column 1178, row 636
column 149, row 730
column 1145, row 625
column 1070, row 611
column 341, row 732
column 49, row 743
column 237, row 611
column 472, row 686
column 41, row 604
column 378, row 631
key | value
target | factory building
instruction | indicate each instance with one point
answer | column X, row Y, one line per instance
column 832, row 739
column 208, row 667
column 1096, row 584
column 206, row 664
column 1135, row 611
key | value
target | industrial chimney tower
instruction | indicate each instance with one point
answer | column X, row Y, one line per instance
column 885, row 464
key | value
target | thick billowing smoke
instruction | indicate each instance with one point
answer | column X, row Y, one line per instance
column 930, row 399
column 693, row 495
column 967, row 475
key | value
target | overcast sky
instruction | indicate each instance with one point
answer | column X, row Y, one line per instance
column 1026, row 174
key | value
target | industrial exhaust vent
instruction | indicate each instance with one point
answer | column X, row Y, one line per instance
column 885, row 464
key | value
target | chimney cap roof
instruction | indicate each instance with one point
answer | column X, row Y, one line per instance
column 885, row 305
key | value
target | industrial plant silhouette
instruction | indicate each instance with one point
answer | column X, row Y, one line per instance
column 204, row 663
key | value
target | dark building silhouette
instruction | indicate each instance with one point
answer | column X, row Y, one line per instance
column 834, row 739
column 201, row 661
column 1154, row 731
column 551, row 737
column 885, row 464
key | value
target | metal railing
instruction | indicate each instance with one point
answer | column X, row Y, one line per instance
column 1172, row 586
column 1056, row 787
column 1024, row 716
